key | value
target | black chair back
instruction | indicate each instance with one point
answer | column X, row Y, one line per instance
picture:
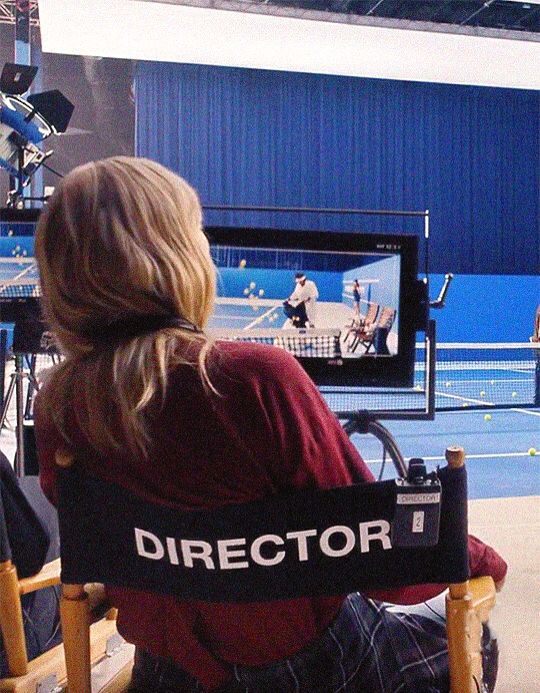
column 309, row 542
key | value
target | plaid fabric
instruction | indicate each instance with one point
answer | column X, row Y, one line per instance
column 368, row 649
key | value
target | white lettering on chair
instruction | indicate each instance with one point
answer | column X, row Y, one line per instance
column 382, row 535
column 301, row 537
column 192, row 548
column 256, row 550
column 141, row 536
column 337, row 529
column 225, row 554
column 171, row 550
column 232, row 554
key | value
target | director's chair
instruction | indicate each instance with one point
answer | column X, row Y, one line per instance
column 406, row 532
column 47, row 672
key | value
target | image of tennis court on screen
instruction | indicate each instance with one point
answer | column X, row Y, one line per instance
column 317, row 304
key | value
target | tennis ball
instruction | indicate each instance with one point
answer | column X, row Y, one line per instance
column 492, row 382
column 448, row 383
column 465, row 404
column 10, row 232
column 246, row 292
column 261, row 292
column 514, row 394
column 252, row 285
column 242, row 264
column 482, row 394
column 487, row 417
column 532, row 452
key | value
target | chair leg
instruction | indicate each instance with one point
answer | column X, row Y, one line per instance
column 11, row 620
column 464, row 641
column 75, row 616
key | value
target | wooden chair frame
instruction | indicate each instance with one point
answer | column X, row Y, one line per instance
column 468, row 605
column 30, row 676
column 359, row 327
column 366, row 335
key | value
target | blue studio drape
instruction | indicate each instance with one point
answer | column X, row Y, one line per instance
column 471, row 155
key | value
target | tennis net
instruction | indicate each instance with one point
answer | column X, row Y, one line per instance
column 483, row 375
column 318, row 343
column 467, row 376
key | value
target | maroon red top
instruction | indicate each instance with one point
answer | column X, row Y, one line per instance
column 268, row 430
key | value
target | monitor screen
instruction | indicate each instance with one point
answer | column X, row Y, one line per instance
column 340, row 303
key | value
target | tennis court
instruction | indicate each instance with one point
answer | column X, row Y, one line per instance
column 486, row 395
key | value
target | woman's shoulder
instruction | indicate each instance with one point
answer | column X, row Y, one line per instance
column 254, row 361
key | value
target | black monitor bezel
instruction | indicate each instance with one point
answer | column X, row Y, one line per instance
column 23, row 216
column 376, row 371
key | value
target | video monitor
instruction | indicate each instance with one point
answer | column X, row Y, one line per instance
column 344, row 304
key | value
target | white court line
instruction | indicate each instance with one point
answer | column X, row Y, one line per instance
column 476, row 411
column 262, row 317
column 479, row 456
column 526, row 411
column 465, row 399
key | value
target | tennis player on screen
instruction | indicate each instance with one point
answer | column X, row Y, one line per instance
column 306, row 293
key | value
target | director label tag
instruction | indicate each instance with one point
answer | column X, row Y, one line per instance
column 417, row 514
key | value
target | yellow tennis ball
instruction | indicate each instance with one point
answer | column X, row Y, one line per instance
column 252, row 285
column 465, row 404
column 242, row 264
column 246, row 292
column 514, row 394
column 487, row 417
column 10, row 232
column 448, row 383
column 482, row 394
column 261, row 292
column 532, row 452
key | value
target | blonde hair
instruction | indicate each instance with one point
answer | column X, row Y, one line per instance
column 121, row 239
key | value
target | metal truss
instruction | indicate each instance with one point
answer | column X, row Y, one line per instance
column 8, row 9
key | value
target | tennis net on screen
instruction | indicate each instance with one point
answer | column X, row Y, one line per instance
column 316, row 343
column 18, row 278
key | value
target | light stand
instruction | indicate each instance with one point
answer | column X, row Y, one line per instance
column 16, row 386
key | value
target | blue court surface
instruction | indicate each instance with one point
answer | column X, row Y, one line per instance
column 498, row 461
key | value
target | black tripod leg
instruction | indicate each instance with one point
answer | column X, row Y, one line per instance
column 7, row 400
column 19, row 394
column 32, row 386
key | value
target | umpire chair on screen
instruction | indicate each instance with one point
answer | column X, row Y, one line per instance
column 405, row 533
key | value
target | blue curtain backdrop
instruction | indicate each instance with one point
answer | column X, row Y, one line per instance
column 471, row 155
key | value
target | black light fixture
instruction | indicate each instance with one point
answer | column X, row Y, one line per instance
column 24, row 123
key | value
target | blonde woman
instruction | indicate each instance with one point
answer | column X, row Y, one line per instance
column 145, row 400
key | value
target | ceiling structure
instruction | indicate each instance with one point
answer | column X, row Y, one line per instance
column 272, row 35
column 507, row 15
column 491, row 18
column 8, row 8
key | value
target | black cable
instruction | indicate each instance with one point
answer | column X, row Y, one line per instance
column 52, row 170
column 383, row 463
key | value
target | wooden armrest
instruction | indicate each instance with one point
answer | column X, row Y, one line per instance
column 483, row 596
column 48, row 576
